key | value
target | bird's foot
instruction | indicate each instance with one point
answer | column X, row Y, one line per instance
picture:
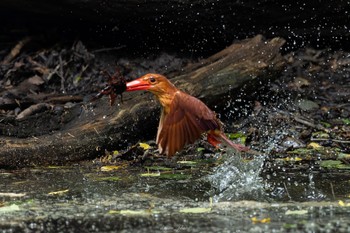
column 240, row 147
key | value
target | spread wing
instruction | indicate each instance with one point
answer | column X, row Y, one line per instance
column 187, row 120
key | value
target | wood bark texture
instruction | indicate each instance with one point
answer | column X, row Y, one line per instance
column 247, row 62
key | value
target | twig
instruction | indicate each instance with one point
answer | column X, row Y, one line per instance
column 12, row 194
column 38, row 66
column 63, row 89
column 340, row 141
column 108, row 49
column 285, row 188
column 64, row 99
column 49, row 76
column 332, row 189
column 96, row 131
column 329, row 139
column 32, row 110
column 308, row 123
column 15, row 50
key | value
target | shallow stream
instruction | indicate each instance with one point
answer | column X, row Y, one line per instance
column 225, row 195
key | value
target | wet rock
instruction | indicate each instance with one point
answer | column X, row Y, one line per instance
column 307, row 105
column 291, row 142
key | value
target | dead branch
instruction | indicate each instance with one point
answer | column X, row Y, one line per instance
column 16, row 50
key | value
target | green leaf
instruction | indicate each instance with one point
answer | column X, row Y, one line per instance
column 330, row 163
column 296, row 212
column 9, row 208
column 301, row 151
column 199, row 149
column 158, row 168
column 346, row 121
column 150, row 174
column 290, row 226
column 167, row 175
column 320, row 134
column 77, row 79
column 60, row 192
column 343, row 156
column 307, row 105
column 109, row 178
column 144, row 146
column 196, row 210
column 133, row 212
column 187, row 162
column 233, row 136
column 334, row 164
column 326, row 124
column 112, row 167
column 175, row 176
column 237, row 135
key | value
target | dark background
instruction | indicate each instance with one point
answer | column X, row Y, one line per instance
column 192, row 27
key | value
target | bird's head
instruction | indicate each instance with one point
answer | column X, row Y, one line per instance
column 155, row 83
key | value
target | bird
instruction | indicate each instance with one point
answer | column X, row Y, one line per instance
column 184, row 118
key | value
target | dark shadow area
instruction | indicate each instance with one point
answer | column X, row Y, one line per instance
column 199, row 28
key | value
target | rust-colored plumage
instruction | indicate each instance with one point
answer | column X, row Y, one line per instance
column 184, row 118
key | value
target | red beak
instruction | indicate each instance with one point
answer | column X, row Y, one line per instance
column 137, row 84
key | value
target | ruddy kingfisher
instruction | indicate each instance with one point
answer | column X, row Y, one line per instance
column 184, row 118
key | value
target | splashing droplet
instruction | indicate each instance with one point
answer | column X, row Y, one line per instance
column 237, row 179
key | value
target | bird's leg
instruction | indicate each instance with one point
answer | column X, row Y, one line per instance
column 238, row 147
column 216, row 137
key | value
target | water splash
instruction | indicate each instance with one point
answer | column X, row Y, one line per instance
column 311, row 192
column 237, row 179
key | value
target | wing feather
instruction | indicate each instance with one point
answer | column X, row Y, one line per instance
column 187, row 120
column 173, row 138
column 179, row 137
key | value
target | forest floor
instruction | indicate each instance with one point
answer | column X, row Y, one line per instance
column 304, row 113
column 299, row 121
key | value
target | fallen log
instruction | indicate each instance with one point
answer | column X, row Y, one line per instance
column 94, row 130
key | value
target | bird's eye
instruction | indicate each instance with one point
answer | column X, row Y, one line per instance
column 152, row 80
